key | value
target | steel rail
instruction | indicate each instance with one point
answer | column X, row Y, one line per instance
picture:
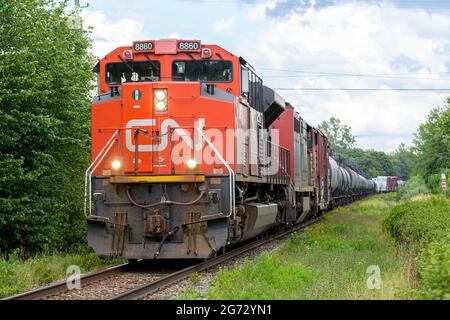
column 149, row 288
column 61, row 285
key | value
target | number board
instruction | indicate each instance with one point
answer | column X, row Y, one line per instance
column 189, row 45
column 143, row 46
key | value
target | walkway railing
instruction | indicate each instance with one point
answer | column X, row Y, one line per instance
column 88, row 174
column 277, row 170
column 232, row 175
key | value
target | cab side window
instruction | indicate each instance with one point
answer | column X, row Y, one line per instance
column 199, row 70
column 139, row 71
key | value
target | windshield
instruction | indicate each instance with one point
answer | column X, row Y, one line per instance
column 200, row 70
column 117, row 73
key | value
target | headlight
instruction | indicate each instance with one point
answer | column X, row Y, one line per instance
column 116, row 164
column 160, row 106
column 160, row 100
column 160, row 94
column 191, row 164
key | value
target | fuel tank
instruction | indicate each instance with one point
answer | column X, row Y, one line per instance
column 259, row 218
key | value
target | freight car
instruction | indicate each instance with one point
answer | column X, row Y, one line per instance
column 192, row 153
column 386, row 183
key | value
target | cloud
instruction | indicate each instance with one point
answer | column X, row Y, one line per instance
column 174, row 35
column 286, row 7
column 108, row 34
column 385, row 42
column 224, row 25
column 282, row 8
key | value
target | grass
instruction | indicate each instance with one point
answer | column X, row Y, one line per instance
column 19, row 275
column 329, row 260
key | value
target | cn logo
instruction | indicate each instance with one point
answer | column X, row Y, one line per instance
column 165, row 125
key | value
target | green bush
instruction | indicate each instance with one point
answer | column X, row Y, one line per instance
column 420, row 221
column 425, row 224
column 414, row 186
column 434, row 270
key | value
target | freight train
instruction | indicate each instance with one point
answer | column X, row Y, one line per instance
column 192, row 154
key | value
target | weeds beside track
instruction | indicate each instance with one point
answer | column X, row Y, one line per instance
column 329, row 260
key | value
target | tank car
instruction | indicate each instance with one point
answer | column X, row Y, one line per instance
column 347, row 185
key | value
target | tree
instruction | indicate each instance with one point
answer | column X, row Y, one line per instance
column 369, row 162
column 373, row 163
column 339, row 135
column 432, row 142
column 403, row 161
column 45, row 83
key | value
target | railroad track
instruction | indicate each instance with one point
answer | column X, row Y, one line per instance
column 149, row 288
column 61, row 286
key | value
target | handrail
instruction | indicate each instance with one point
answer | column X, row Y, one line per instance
column 88, row 174
column 231, row 173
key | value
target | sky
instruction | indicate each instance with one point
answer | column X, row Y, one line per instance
column 301, row 47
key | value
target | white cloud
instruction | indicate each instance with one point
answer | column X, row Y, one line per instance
column 224, row 25
column 108, row 34
column 359, row 39
column 174, row 35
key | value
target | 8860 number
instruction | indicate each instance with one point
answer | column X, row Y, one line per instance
column 189, row 46
column 143, row 46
